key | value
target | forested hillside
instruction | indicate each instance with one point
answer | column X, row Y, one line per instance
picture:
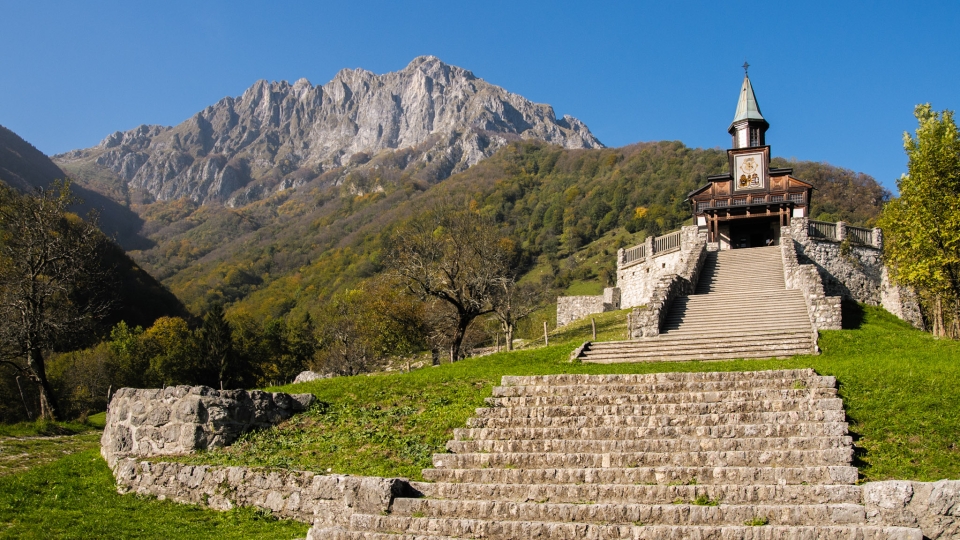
column 290, row 252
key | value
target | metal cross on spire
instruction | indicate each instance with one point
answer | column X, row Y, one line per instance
column 746, row 66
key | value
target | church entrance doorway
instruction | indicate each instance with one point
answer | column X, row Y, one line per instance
column 754, row 232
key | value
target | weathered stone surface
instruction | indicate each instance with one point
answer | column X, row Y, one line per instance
column 233, row 151
column 574, row 308
column 307, row 376
column 299, row 495
column 853, row 271
column 181, row 419
column 824, row 310
column 934, row 507
column 647, row 320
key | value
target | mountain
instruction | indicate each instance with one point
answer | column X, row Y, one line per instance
column 25, row 168
column 141, row 298
column 442, row 119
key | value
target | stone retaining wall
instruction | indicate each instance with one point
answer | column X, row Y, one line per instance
column 646, row 321
column 853, row 271
column 824, row 311
column 182, row 419
column 299, row 495
column 934, row 507
column 574, row 308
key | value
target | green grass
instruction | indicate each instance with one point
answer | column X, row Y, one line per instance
column 75, row 497
column 900, row 388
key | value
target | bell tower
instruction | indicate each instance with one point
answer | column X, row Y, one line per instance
column 748, row 127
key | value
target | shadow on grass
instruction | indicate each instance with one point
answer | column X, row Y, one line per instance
column 852, row 313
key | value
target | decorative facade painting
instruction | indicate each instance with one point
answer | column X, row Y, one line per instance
column 750, row 168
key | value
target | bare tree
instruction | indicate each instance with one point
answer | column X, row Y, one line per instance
column 515, row 303
column 456, row 256
column 52, row 284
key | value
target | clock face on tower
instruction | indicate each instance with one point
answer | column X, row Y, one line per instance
column 748, row 172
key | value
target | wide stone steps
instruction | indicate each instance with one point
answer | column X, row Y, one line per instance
column 741, row 309
column 826, row 474
column 692, row 456
column 658, row 383
column 643, row 494
column 799, row 429
column 661, row 420
column 680, row 512
column 510, row 529
column 726, row 406
column 784, row 346
column 606, row 446
column 665, row 397
column 732, row 458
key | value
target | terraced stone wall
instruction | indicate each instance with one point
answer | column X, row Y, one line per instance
column 182, row 419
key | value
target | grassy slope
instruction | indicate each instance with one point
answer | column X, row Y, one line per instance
column 898, row 384
column 47, row 494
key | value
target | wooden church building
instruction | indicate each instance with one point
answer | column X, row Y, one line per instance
column 747, row 206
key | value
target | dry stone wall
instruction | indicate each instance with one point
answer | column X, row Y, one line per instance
column 824, row 311
column 182, row 419
column 574, row 308
column 854, row 271
column 934, row 507
column 300, row 495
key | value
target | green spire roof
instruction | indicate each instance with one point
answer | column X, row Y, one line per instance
column 747, row 108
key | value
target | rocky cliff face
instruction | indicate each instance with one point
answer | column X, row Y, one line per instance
column 277, row 135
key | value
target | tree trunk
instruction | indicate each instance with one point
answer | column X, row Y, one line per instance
column 509, row 337
column 458, row 334
column 48, row 404
column 938, row 330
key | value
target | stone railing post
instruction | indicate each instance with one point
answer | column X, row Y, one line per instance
column 620, row 253
column 841, row 231
column 799, row 229
column 878, row 238
column 648, row 249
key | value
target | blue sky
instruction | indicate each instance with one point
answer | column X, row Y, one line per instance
column 836, row 80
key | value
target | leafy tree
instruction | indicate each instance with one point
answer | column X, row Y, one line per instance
column 219, row 360
column 173, row 352
column 456, row 256
column 52, row 284
column 922, row 225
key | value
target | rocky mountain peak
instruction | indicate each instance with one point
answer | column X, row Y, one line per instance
column 277, row 135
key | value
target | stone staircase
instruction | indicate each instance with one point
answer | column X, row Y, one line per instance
column 751, row 456
column 741, row 309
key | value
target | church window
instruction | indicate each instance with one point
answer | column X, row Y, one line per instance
column 754, row 136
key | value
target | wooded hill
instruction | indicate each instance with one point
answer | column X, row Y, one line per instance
column 291, row 251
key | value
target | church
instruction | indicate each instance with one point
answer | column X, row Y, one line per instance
column 747, row 206
column 750, row 222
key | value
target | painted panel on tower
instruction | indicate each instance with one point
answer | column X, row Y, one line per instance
column 750, row 171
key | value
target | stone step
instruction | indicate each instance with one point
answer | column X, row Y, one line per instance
column 802, row 344
column 702, row 355
column 643, row 494
column 671, row 397
column 676, row 338
column 339, row 533
column 576, row 446
column 513, row 530
column 662, row 420
column 774, row 377
column 679, row 513
column 736, row 458
column 726, row 406
column 668, row 387
column 832, row 474
column 818, row 429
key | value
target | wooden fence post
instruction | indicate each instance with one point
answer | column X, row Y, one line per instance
column 546, row 339
column 593, row 326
